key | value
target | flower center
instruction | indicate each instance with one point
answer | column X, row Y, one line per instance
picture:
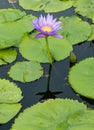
column 46, row 28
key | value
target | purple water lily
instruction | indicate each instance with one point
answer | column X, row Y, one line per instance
column 47, row 26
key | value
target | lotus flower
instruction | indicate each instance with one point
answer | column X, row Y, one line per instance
column 47, row 26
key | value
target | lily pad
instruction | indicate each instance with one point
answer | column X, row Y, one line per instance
column 85, row 8
column 12, row 32
column 8, row 111
column 26, row 22
column 35, row 49
column 81, row 78
column 7, row 56
column 10, row 94
column 10, row 14
column 58, row 114
column 74, row 29
column 92, row 34
column 47, row 5
column 26, row 71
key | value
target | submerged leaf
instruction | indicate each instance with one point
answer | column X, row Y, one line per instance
column 12, row 1
column 85, row 8
column 74, row 29
column 26, row 71
column 58, row 114
column 10, row 94
column 47, row 5
column 81, row 77
column 35, row 49
column 7, row 56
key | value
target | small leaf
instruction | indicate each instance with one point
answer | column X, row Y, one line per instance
column 58, row 114
column 85, row 8
column 48, row 6
column 81, row 77
column 72, row 57
column 28, row 71
column 35, row 49
column 74, row 29
column 7, row 56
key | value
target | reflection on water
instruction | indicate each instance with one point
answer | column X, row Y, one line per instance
column 48, row 94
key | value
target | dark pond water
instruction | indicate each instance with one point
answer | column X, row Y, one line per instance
column 35, row 91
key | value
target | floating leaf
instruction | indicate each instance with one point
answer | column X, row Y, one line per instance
column 10, row 94
column 12, row 32
column 10, row 14
column 48, row 6
column 7, row 56
column 8, row 111
column 58, row 114
column 35, row 49
column 25, row 22
column 92, row 35
column 85, row 8
column 75, row 30
column 26, row 71
column 81, row 77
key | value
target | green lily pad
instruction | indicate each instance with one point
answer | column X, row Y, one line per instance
column 48, row 6
column 8, row 111
column 58, row 114
column 92, row 34
column 81, row 78
column 74, row 29
column 28, row 71
column 7, row 56
column 10, row 14
column 26, row 22
column 35, row 49
column 10, row 94
column 12, row 32
column 85, row 8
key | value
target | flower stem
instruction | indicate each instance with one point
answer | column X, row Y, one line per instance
column 48, row 51
column 49, row 77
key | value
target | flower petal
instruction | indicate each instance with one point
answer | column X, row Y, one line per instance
column 49, row 21
column 57, row 36
column 40, row 35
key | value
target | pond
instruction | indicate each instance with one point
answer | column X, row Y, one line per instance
column 56, row 85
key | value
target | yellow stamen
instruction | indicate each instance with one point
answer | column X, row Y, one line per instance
column 46, row 28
